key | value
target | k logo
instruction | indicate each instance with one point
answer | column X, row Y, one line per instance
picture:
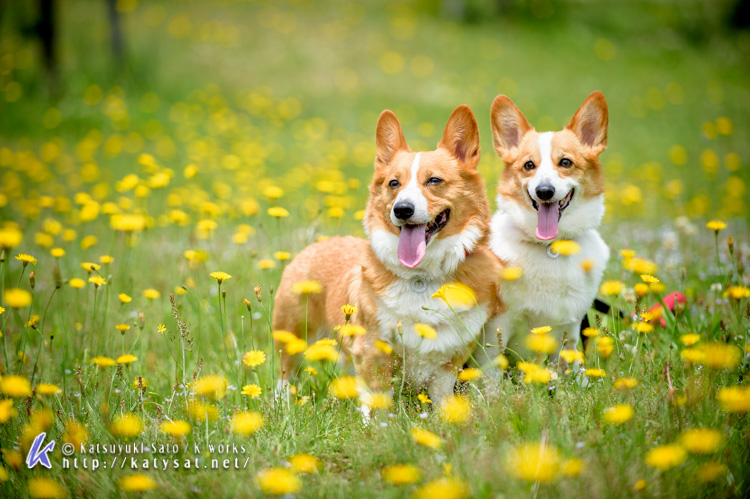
column 37, row 455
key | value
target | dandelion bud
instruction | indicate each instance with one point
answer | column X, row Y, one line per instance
column 257, row 294
column 2, row 257
column 57, row 277
column 500, row 338
column 730, row 243
column 224, row 294
column 32, row 279
column 247, row 304
column 141, row 320
column 740, row 268
column 400, row 329
column 270, row 290
column 565, row 338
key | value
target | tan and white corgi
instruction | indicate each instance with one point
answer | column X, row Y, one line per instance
column 427, row 220
column 551, row 189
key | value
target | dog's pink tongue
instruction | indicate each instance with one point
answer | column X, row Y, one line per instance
column 411, row 245
column 546, row 227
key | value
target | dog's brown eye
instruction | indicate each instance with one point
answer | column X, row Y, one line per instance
column 434, row 181
column 529, row 165
column 393, row 183
column 566, row 163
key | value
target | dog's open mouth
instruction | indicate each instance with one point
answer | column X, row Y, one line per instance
column 413, row 240
column 548, row 216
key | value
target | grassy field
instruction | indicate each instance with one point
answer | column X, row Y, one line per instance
column 129, row 183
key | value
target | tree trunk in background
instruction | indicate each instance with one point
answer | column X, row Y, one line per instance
column 115, row 29
column 46, row 30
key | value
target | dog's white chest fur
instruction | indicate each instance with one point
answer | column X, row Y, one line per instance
column 455, row 331
column 553, row 292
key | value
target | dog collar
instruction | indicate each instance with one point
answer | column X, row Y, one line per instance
column 552, row 253
column 418, row 285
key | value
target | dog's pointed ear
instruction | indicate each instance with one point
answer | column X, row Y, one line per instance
column 509, row 125
column 461, row 136
column 590, row 122
column 389, row 139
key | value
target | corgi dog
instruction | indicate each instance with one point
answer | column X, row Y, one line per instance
column 427, row 222
column 551, row 189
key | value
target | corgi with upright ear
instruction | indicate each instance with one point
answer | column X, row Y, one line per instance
column 427, row 220
column 551, row 189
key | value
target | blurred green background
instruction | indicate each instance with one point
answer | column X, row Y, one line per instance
column 234, row 99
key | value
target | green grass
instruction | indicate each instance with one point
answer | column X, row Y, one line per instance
column 287, row 95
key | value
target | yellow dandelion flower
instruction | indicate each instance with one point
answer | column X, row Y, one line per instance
column 127, row 358
column 424, row 399
column 571, row 356
column 102, row 361
column 282, row 336
column 322, row 352
column 97, row 280
column 266, row 264
column 716, row 225
column 122, row 327
column 377, row 401
column 161, row 328
column 311, row 371
column 10, row 237
column 345, row 387
column 692, row 356
column 455, row 409
column 175, row 428
column 611, row 288
column 623, row 384
column 126, row 425
column 15, row 386
column 444, row 488
column 278, row 481
column 48, row 389
column 719, row 355
column 47, row 488
column 124, row 298
column 511, row 273
column 106, row 259
column 151, row 294
column 735, row 398
column 26, row 259
column 401, row 474
column 349, row 310
column 565, row 247
column 427, row 438
column 501, row 362
column 710, row 471
column 282, row 256
column 737, row 292
column 666, row 456
column 252, row 391
column 641, row 289
column 456, row 295
column 304, row 463
column 572, row 467
column 595, row 373
column 541, row 330
column 618, row 414
column 469, row 374
column 213, row 386
column 701, row 440
column 590, row 332
column 534, row 462
column 644, row 327
column 649, row 279
column 425, row 331
column 254, row 358
column 541, row 343
column 7, row 411
column 17, row 298
column 383, row 347
column 76, row 434
column 137, row 482
column 352, row 330
column 90, row 266
column 296, row 346
column 139, row 383
column 220, row 276
column 307, row 288
column 605, row 345
column 246, row 423
column 278, row 212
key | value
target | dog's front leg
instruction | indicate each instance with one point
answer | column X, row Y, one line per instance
column 441, row 384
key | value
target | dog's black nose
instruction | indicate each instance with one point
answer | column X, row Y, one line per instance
column 403, row 210
column 545, row 192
